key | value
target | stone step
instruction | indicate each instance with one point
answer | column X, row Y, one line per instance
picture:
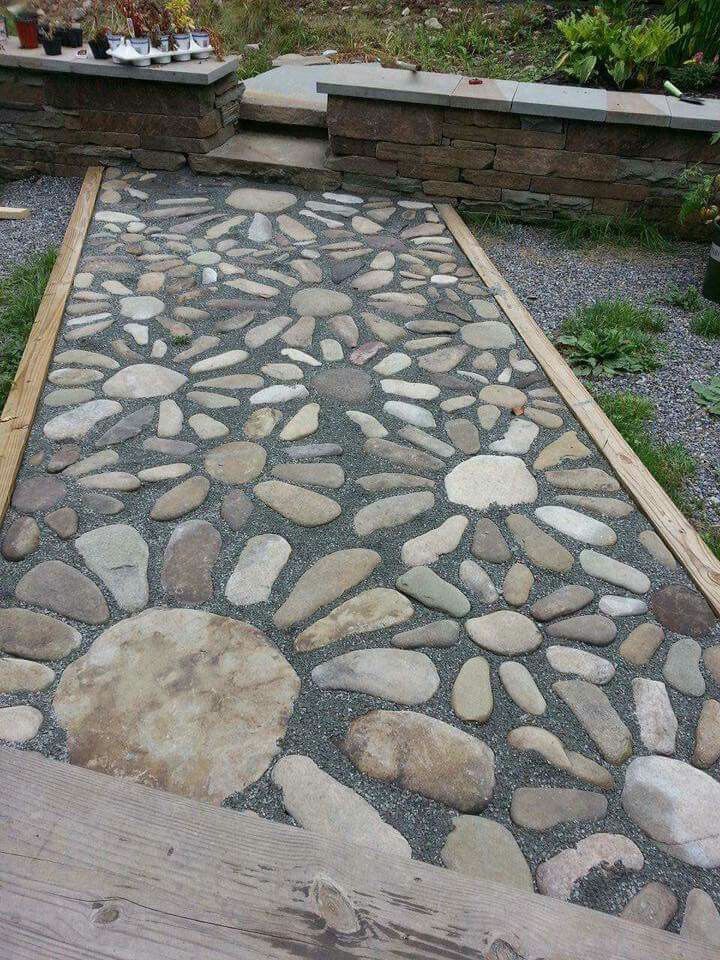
column 271, row 156
column 268, row 107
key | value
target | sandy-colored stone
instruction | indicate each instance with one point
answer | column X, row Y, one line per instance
column 484, row 849
column 505, row 632
column 424, row 755
column 374, row 609
column 403, row 676
column 558, row 876
column 180, row 700
column 472, row 698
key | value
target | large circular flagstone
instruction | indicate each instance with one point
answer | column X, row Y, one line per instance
column 182, row 700
column 480, row 482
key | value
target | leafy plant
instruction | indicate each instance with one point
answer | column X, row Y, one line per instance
column 611, row 337
column 685, row 298
column 701, row 200
column 699, row 25
column 706, row 323
column 608, row 50
column 708, row 394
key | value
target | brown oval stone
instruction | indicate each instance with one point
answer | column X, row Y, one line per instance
column 683, row 611
column 236, row 462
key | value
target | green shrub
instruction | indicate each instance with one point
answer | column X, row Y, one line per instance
column 694, row 75
column 701, row 199
column 685, row 298
column 699, row 25
column 625, row 231
column 706, row 323
column 611, row 337
column 605, row 50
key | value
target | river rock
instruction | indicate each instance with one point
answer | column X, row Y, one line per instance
column 424, row 755
column 20, row 676
column 472, row 698
column 542, row 808
column 236, row 462
column 258, row 567
column 423, row 584
column 374, row 609
column 505, row 632
column 558, row 876
column 188, row 561
column 614, row 571
column 56, row 586
column 707, row 735
column 520, row 686
column 656, row 717
column 304, row 507
column 483, row 481
column 391, row 512
column 19, row 724
column 403, row 676
column 682, row 610
column 439, row 633
column 585, row 665
column 118, row 555
column 140, row 381
column 586, row 628
column 321, row 804
column 598, row 717
column 653, row 906
column 482, row 848
column 676, row 805
column 324, row 581
column 20, row 539
column 542, row 549
column 561, row 602
column 181, row 500
column 682, row 667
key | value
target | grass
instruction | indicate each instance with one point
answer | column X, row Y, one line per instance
column 497, row 224
column 514, row 42
column 669, row 462
column 610, row 337
column 625, row 231
column 20, row 295
column 706, row 323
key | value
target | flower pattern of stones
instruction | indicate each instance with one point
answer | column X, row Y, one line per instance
column 303, row 527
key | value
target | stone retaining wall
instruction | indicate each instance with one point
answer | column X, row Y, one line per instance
column 534, row 167
column 61, row 123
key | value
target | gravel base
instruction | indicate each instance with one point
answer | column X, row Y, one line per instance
column 553, row 281
column 50, row 200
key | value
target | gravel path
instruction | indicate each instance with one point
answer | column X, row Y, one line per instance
column 50, row 200
column 554, row 280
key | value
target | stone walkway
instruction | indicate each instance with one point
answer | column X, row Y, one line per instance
column 302, row 528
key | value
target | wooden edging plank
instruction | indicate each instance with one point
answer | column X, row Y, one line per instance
column 672, row 525
column 93, row 866
column 19, row 411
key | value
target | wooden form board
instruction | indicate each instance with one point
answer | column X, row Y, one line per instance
column 19, row 411
column 672, row 525
column 98, row 868
column 14, row 213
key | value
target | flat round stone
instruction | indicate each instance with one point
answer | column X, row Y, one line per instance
column 142, row 380
column 19, row 724
column 20, row 539
column 598, row 717
column 505, row 632
column 577, row 525
column 235, row 509
column 391, row 512
column 141, row 308
column 484, row 481
column 614, row 571
column 590, row 628
column 257, row 568
column 18, row 676
column 344, row 384
column 641, row 644
column 222, row 689
column 118, row 555
column 188, row 561
column 521, row 687
column 236, row 462
column 181, row 500
column 489, row 335
column 587, row 666
column 682, row 667
column 38, row 494
column 423, row 584
column 375, row 609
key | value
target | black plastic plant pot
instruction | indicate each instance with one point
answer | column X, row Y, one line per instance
column 51, row 45
column 711, row 283
column 71, row 36
column 99, row 47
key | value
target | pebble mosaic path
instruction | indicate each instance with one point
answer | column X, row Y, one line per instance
column 302, row 528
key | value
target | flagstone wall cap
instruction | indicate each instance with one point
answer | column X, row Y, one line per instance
column 370, row 81
column 194, row 72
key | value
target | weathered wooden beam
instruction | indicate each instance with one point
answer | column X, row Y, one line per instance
column 95, row 867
